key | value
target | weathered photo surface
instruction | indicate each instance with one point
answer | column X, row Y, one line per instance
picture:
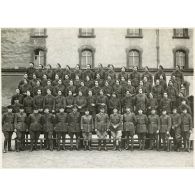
column 97, row 97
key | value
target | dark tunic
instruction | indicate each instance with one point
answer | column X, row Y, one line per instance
column 20, row 122
column 49, row 101
column 102, row 122
column 35, row 122
column 129, row 120
column 142, row 122
column 61, row 122
column 74, row 122
column 153, row 123
column 38, row 101
column 87, row 123
column 69, row 101
column 8, row 121
column 165, row 123
column 59, row 102
column 116, row 122
column 28, row 104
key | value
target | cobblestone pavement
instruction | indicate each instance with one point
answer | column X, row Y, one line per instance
column 97, row 159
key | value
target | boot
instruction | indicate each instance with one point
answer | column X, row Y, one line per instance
column 51, row 145
column 140, row 145
column 89, row 145
column 58, row 143
column 127, row 144
column 77, row 143
column 63, row 142
column 105, row 148
column 18, row 146
column 9, row 145
column 5, row 147
column 188, row 146
column 151, row 145
column 119, row 146
column 168, row 146
column 99, row 144
column 143, row 145
column 35, row 145
column 85, row 145
column 31, row 146
column 114, row 145
column 71, row 144
column 132, row 140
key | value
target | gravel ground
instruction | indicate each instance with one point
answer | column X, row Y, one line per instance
column 97, row 159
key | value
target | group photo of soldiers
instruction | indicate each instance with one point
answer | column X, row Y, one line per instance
column 77, row 109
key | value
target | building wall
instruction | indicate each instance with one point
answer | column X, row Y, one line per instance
column 15, row 47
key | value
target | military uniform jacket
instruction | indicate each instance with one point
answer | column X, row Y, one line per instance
column 101, row 72
column 74, row 121
column 158, row 91
column 102, row 122
column 38, row 101
column 89, row 84
column 176, row 123
column 102, row 99
column 165, row 123
column 88, row 72
column 20, row 122
column 57, row 88
column 157, row 75
column 172, row 93
column 114, row 102
column 116, row 122
column 153, row 123
column 46, row 88
column 17, row 96
column 66, row 82
column 71, row 88
column 184, row 106
column 129, row 120
column 33, row 82
column 36, row 88
column 84, row 90
column 80, row 101
column 91, row 100
column 135, row 78
column 186, row 122
column 96, row 90
column 128, row 101
column 55, row 82
column 25, row 87
column 178, row 75
column 107, row 90
column 61, row 122
column 141, row 101
column 69, row 103
column 60, row 101
column 8, row 121
column 48, row 122
column 16, row 107
column 163, row 83
column 123, row 74
column 35, row 122
column 148, row 75
column 118, row 90
column 87, row 123
column 28, row 104
column 77, row 84
column 100, row 82
column 50, row 74
column 49, row 101
column 131, row 89
column 142, row 122
column 30, row 71
column 152, row 103
column 39, row 73
column 166, row 104
column 44, row 83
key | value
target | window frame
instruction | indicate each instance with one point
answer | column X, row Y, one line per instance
column 34, row 35
column 81, row 35
column 186, row 51
column 128, row 35
column 44, row 50
column 185, row 34
column 140, row 51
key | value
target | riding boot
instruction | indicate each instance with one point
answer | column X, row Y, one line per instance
column 143, row 145
column 168, row 145
column 140, row 144
column 99, row 144
column 151, row 145
column 31, row 145
column 114, row 145
column 89, row 145
column 63, row 142
column 71, row 144
column 18, row 146
column 188, row 145
column 58, row 143
column 51, row 145
column 5, row 147
column 35, row 144
column 119, row 146
column 77, row 143
column 127, row 143
column 105, row 148
column 132, row 140
column 9, row 145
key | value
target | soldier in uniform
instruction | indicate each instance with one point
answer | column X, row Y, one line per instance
column 129, row 120
column 66, row 81
column 20, row 124
column 96, row 89
column 110, row 72
column 60, row 101
column 130, row 88
column 69, row 102
column 184, row 105
column 165, row 104
column 101, row 127
column 48, row 86
column 135, row 77
column 18, row 96
column 74, row 119
column 28, row 104
column 88, row 72
column 81, row 102
column 59, row 70
column 123, row 74
column 152, row 104
column 117, row 88
column 186, row 128
column 116, row 127
column 107, row 89
column 8, row 128
column 44, row 81
column 25, row 87
column 100, row 70
column 36, row 88
column 158, row 91
column 100, row 81
column 91, row 103
column 49, row 101
column 33, row 82
column 83, row 89
column 77, row 83
column 61, row 127
column 148, row 75
column 158, row 73
column 16, row 106
column 114, row 102
column 178, row 75
column 101, row 100
column 164, row 132
column 141, row 101
column 172, row 93
column 39, row 72
column 71, row 88
column 153, row 128
column 49, row 72
column 77, row 71
column 30, row 71
column 128, row 102
column 87, row 127
column 142, row 122
column 38, row 101
column 89, row 83
column 176, row 129
column 55, row 81
column 25, row 77
column 163, row 83
column 35, row 127
column 58, row 87
column 123, row 84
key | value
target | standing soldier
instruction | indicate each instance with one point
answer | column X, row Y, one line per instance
column 158, row 91
column 80, row 102
column 165, row 126
column 66, row 81
column 91, row 104
column 60, row 101
column 130, row 88
column 100, row 70
column 77, row 71
column 49, row 72
column 135, row 77
column 142, row 122
column 114, row 102
column 48, row 86
column 25, row 77
column 34, row 80
column 172, row 94
column 69, row 102
column 49, row 101
column 61, row 127
column 186, row 128
column 55, row 81
column 8, row 128
column 101, row 127
column 87, row 127
column 123, row 74
column 153, row 128
column 129, row 120
column 123, row 84
column 152, row 104
column 59, row 70
column 163, row 83
column 77, row 83
column 116, row 127
column 96, row 89
column 88, row 72
column 89, row 83
column 58, row 87
column 117, row 88
column 178, row 75
column 28, row 104
column 147, row 85
column 158, row 73
column 16, row 106
column 111, row 72
column 74, row 127
column 100, row 81
column 176, row 129
column 165, row 104
column 37, row 87
column 20, row 124
column 34, row 122
column 38, row 101
column 184, row 105
column 141, row 101
column 39, row 72
column 44, row 81
column 48, row 126
column 128, row 102
column 25, row 87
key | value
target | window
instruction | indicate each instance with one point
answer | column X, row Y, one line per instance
column 180, row 33
column 86, row 58
column 39, row 32
column 39, row 57
column 86, row 32
column 133, row 58
column 180, row 59
column 134, row 33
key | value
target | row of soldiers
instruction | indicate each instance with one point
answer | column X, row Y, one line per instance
column 55, row 127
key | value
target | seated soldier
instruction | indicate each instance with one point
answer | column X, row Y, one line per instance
column 38, row 101
column 101, row 100
column 81, row 102
column 60, row 101
column 69, row 102
column 116, row 127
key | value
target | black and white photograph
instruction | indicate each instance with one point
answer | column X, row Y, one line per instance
column 97, row 97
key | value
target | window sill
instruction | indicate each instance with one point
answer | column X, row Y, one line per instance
column 39, row 36
column 174, row 37
column 137, row 37
column 86, row 36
